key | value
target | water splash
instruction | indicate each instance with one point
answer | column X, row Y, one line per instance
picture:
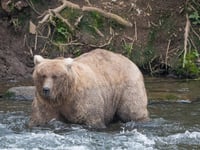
column 162, row 131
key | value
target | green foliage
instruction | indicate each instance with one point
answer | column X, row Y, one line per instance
column 193, row 9
column 62, row 31
column 195, row 18
column 97, row 20
column 191, row 70
column 11, row 6
column 90, row 22
column 93, row 21
column 127, row 49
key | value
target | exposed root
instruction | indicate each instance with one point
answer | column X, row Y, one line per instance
column 166, row 56
column 36, row 40
column 59, row 9
column 68, row 4
column 64, row 20
column 197, row 35
column 45, row 18
column 98, row 32
column 115, row 17
column 135, row 25
column 33, row 7
column 186, row 35
column 69, row 44
column 103, row 45
column 78, row 21
column 88, row 2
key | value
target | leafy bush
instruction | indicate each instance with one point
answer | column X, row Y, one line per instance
column 191, row 69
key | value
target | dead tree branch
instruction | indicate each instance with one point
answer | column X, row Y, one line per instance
column 186, row 35
column 115, row 17
column 59, row 9
column 68, row 4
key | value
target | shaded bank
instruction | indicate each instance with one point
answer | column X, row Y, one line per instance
column 154, row 41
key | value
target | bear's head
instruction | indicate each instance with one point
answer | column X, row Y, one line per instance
column 53, row 78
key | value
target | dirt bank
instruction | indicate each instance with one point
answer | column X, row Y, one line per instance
column 153, row 42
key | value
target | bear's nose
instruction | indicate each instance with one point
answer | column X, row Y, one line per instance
column 46, row 91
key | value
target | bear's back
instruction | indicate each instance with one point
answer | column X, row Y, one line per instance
column 109, row 64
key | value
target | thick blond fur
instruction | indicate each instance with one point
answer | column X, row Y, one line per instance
column 93, row 89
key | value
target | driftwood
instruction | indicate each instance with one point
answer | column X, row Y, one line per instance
column 68, row 4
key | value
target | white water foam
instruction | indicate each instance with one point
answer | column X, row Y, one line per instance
column 183, row 138
column 36, row 141
column 77, row 140
column 186, row 138
column 84, row 139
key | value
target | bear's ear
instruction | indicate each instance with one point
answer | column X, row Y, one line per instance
column 68, row 61
column 38, row 59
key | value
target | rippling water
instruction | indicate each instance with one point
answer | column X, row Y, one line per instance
column 172, row 126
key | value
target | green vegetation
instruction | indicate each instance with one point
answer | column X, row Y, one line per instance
column 92, row 22
column 62, row 32
column 191, row 69
column 127, row 49
column 11, row 6
column 72, row 30
column 194, row 11
column 146, row 55
column 195, row 18
column 73, row 23
column 96, row 24
column 188, row 66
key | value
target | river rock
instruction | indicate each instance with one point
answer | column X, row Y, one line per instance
column 21, row 93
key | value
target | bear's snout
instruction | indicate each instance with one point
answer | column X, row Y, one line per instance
column 46, row 91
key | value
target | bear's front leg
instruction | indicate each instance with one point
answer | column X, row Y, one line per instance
column 95, row 118
column 96, row 123
column 41, row 114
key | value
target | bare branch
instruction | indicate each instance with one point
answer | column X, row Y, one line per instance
column 117, row 18
column 64, row 20
column 59, row 9
column 186, row 34
column 167, row 51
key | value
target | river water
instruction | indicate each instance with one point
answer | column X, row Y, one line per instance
column 174, row 124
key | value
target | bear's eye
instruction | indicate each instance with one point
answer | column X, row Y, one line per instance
column 54, row 77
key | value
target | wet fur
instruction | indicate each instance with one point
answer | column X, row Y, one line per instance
column 92, row 89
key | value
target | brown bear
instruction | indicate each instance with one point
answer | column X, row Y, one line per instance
column 92, row 89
